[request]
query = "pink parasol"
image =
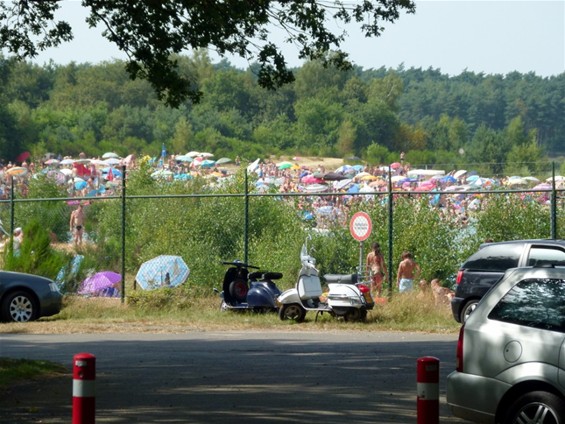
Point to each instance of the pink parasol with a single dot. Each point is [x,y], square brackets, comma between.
[311,179]
[100,284]
[22,157]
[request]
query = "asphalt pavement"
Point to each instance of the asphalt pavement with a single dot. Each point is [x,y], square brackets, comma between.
[251,377]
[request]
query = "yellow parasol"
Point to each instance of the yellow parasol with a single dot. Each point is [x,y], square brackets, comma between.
[17,171]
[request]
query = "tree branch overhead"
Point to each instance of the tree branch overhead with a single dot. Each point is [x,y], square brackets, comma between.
[152,32]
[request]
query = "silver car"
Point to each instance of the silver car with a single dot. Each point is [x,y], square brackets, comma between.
[511,352]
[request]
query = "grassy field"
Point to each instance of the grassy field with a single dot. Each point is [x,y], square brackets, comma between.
[409,312]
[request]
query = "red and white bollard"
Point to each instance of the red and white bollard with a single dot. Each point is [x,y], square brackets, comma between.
[428,390]
[84,375]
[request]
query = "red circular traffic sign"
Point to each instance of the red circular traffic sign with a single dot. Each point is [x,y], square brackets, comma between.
[360,226]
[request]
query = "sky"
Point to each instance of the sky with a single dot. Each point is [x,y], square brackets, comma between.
[481,36]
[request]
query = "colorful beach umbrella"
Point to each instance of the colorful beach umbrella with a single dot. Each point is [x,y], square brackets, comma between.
[109,155]
[17,171]
[284,165]
[100,284]
[223,160]
[162,271]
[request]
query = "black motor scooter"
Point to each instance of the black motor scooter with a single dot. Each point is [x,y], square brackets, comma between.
[243,290]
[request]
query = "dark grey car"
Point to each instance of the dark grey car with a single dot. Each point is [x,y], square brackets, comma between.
[485,267]
[27,297]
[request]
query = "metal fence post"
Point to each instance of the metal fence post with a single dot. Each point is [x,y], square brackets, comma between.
[390,233]
[12,207]
[123,294]
[553,208]
[246,220]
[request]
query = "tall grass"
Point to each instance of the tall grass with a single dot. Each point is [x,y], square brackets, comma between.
[172,310]
[414,312]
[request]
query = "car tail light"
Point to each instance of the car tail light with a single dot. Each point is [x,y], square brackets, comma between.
[459,276]
[459,352]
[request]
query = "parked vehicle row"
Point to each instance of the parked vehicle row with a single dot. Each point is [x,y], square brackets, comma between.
[346,296]
[485,267]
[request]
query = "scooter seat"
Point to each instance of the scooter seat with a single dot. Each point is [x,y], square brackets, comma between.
[341,278]
[259,275]
[272,275]
[254,276]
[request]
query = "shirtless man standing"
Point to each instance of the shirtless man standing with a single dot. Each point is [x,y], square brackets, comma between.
[408,269]
[77,224]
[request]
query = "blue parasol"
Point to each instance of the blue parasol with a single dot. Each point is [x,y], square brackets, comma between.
[162,271]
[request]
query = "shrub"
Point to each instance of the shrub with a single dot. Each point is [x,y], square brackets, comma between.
[35,256]
[51,215]
[511,217]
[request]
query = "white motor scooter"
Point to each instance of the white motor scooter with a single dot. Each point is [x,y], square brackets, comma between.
[347,298]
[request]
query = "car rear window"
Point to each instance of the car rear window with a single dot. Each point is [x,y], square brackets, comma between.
[535,302]
[495,257]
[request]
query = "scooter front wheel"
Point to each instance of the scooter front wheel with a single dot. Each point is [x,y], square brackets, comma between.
[292,311]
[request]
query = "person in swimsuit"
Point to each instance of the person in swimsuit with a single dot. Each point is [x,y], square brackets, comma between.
[77,224]
[377,269]
[408,269]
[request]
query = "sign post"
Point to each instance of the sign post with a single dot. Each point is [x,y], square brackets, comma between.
[360,228]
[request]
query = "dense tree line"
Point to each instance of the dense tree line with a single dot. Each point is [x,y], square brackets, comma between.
[507,123]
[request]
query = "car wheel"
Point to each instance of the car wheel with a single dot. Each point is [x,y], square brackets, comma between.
[536,407]
[19,307]
[468,309]
[292,311]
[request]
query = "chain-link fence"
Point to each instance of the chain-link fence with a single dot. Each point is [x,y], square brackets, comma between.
[122,231]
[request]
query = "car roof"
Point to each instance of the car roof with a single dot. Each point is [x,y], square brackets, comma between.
[530,241]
